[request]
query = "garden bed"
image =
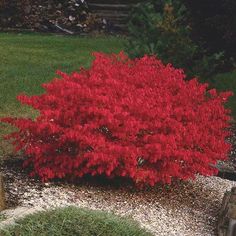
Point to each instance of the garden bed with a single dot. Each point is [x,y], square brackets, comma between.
[185,208]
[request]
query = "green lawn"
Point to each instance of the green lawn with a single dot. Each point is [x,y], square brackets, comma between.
[227,82]
[28,60]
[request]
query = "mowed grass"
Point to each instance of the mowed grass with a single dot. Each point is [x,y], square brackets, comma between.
[227,82]
[28,60]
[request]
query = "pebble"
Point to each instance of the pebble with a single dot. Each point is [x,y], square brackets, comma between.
[184,209]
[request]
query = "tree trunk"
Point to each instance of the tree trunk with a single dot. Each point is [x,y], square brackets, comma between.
[2,194]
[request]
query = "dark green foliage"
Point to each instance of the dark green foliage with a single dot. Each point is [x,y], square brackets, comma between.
[226,82]
[156,29]
[214,23]
[163,28]
[73,221]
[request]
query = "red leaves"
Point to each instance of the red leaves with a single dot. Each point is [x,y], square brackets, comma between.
[134,118]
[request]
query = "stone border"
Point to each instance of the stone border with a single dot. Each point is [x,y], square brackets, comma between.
[227,215]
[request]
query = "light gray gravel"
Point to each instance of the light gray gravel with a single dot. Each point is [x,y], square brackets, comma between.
[10,215]
[184,209]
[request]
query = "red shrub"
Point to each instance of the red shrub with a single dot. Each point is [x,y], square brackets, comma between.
[122,117]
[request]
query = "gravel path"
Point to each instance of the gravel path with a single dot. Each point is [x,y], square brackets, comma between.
[184,209]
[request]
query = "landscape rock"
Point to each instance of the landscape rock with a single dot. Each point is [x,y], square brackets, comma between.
[227,214]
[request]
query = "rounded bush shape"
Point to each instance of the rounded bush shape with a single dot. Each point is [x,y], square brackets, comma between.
[73,221]
[133,118]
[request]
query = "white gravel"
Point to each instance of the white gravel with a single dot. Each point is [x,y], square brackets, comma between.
[184,209]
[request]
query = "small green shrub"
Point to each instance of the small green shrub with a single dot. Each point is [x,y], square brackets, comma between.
[162,28]
[156,30]
[73,221]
